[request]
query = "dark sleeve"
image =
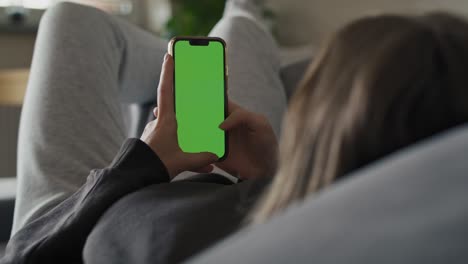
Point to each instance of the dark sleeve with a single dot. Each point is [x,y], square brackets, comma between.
[59,235]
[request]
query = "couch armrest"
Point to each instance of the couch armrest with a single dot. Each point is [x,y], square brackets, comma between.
[7,205]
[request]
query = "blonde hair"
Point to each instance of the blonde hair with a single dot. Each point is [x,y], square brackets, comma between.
[379,84]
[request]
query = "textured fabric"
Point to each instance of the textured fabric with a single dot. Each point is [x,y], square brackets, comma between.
[129,212]
[407,208]
[71,119]
[169,223]
[59,235]
[85,64]
[292,74]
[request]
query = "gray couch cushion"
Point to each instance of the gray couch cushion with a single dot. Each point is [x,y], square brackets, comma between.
[292,74]
[408,208]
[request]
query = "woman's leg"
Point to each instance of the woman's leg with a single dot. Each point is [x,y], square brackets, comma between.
[84,60]
[253,60]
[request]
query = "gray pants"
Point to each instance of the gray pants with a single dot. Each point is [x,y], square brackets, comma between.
[85,64]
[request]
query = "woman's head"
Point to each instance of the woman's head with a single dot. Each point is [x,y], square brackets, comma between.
[379,84]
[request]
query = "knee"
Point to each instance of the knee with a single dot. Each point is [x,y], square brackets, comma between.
[66,16]
[59,13]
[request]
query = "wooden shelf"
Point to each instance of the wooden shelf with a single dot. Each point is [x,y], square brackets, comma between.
[13,84]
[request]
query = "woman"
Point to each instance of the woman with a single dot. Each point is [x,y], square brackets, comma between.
[379,84]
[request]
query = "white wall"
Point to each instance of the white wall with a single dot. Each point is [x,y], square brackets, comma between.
[302,21]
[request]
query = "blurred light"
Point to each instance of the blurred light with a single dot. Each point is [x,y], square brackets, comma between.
[123,7]
[33,4]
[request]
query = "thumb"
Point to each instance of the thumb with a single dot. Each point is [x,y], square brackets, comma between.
[235,119]
[198,160]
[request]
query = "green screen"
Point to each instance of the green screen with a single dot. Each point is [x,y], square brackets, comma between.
[199,96]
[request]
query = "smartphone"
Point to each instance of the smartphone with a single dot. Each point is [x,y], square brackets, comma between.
[200,93]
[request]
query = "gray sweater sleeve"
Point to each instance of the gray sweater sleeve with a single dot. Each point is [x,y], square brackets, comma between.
[59,235]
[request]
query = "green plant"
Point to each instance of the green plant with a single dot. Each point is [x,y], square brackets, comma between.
[194,17]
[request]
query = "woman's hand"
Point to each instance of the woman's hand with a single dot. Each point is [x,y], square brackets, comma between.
[252,144]
[161,134]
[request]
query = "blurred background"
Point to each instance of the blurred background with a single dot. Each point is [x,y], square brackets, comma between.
[298,25]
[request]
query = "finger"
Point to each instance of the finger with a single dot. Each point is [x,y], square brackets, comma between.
[155,112]
[205,169]
[237,118]
[165,89]
[195,161]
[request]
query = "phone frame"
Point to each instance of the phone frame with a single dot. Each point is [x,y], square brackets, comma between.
[171,52]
